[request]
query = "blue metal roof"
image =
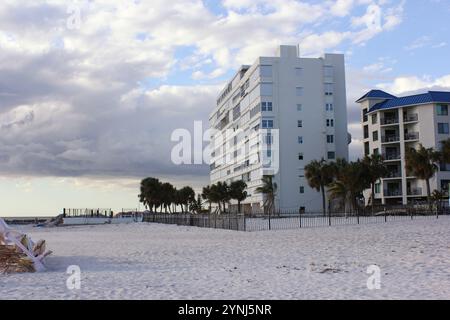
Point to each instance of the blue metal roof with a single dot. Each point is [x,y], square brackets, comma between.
[425,98]
[376,94]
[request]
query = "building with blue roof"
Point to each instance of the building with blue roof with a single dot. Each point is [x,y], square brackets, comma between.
[392,125]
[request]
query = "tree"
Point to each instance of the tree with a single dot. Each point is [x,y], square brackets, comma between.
[206,195]
[437,197]
[375,169]
[237,192]
[422,164]
[167,196]
[351,180]
[150,194]
[186,197]
[269,189]
[319,175]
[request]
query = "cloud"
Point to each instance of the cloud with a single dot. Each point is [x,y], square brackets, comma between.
[98,100]
[407,84]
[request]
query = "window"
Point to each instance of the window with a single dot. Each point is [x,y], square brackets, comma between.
[376,151]
[266,71]
[300,123]
[300,156]
[328,71]
[374,118]
[302,189]
[366,148]
[366,132]
[330,122]
[328,89]
[375,136]
[330,139]
[298,72]
[299,91]
[365,118]
[378,188]
[263,106]
[268,139]
[442,110]
[300,140]
[269,153]
[267,124]
[269,106]
[329,107]
[443,128]
[331,155]
[299,107]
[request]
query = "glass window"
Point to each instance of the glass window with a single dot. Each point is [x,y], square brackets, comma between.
[375,135]
[302,189]
[329,107]
[299,107]
[330,139]
[267,124]
[374,118]
[300,123]
[329,89]
[269,106]
[266,71]
[300,140]
[330,122]
[331,155]
[299,91]
[263,106]
[442,110]
[300,156]
[443,128]
[378,188]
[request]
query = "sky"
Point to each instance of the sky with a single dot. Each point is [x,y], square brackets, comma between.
[91,91]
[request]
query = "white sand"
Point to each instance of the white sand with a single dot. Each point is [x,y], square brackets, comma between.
[145,261]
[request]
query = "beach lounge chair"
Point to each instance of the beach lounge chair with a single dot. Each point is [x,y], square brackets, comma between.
[33,251]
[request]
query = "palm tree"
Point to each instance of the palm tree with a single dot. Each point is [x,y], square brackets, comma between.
[375,169]
[422,164]
[437,198]
[319,175]
[187,196]
[206,195]
[237,192]
[351,180]
[269,189]
[150,193]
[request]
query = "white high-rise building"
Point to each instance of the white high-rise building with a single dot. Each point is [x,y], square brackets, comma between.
[275,117]
[391,125]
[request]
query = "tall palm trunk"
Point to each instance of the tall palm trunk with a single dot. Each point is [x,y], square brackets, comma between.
[429,195]
[324,205]
[372,197]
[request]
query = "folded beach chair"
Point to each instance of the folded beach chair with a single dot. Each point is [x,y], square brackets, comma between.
[35,252]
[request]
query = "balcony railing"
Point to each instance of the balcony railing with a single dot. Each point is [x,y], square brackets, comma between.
[415,192]
[394,174]
[392,156]
[411,118]
[386,139]
[393,193]
[385,121]
[412,136]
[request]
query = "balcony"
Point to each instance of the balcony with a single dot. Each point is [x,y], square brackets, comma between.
[411,136]
[390,139]
[393,193]
[393,175]
[411,118]
[392,156]
[388,121]
[415,192]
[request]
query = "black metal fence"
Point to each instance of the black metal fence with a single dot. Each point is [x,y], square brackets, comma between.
[287,221]
[224,221]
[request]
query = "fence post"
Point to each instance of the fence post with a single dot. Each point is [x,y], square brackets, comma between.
[357,215]
[411,213]
[385,215]
[329,219]
[270,228]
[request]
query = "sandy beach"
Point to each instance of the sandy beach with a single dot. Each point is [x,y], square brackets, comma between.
[150,261]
